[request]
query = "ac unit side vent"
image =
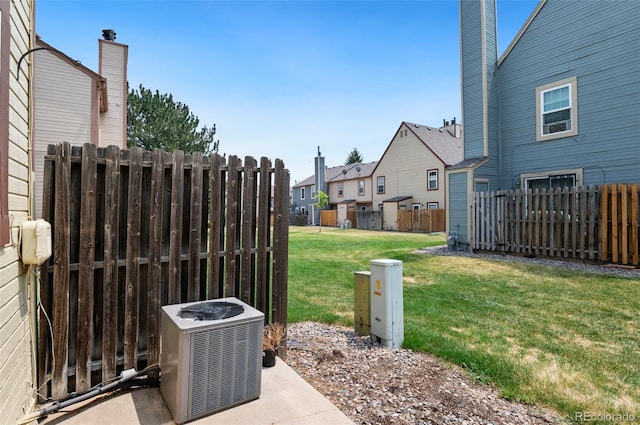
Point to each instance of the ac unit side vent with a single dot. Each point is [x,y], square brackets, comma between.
[213,387]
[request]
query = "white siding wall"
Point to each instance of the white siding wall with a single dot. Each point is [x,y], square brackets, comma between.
[350,190]
[404,167]
[62,110]
[113,67]
[16,370]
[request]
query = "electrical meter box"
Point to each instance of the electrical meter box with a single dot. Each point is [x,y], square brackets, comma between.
[36,241]
[362,302]
[387,315]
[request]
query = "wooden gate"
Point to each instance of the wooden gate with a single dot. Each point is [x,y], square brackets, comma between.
[135,230]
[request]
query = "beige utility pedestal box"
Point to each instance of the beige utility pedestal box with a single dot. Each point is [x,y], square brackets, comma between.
[362,302]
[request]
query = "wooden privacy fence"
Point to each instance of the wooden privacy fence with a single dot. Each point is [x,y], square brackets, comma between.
[593,222]
[423,221]
[329,217]
[135,230]
[619,223]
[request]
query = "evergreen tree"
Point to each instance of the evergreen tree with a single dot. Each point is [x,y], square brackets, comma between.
[355,157]
[155,120]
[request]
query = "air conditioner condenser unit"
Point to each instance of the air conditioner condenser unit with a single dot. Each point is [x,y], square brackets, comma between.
[211,357]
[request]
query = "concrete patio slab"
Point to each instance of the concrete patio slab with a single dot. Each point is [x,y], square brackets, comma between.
[285,399]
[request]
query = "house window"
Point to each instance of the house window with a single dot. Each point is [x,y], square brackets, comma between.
[5,57]
[550,181]
[556,110]
[313,190]
[360,187]
[432,205]
[415,206]
[432,180]
[340,190]
[302,192]
[380,181]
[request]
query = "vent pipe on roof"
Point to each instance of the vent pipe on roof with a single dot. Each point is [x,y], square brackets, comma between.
[109,35]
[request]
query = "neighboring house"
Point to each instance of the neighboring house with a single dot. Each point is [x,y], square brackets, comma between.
[410,174]
[560,107]
[77,105]
[303,194]
[17,371]
[351,190]
[347,186]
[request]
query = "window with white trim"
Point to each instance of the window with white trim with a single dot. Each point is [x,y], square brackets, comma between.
[360,187]
[340,190]
[415,206]
[302,192]
[556,110]
[432,179]
[313,190]
[380,182]
[432,205]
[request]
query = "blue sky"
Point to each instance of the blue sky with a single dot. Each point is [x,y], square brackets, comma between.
[279,78]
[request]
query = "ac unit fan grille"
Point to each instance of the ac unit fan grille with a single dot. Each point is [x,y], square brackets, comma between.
[213,387]
[213,310]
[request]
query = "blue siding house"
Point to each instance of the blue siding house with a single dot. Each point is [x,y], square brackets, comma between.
[560,107]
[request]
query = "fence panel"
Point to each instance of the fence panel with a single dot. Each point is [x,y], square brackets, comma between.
[329,217]
[135,230]
[587,223]
[619,225]
[422,221]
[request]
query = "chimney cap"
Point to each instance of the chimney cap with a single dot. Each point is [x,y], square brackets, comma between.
[109,34]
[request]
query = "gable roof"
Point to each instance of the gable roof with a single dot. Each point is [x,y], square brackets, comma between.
[332,173]
[100,81]
[354,171]
[521,32]
[446,147]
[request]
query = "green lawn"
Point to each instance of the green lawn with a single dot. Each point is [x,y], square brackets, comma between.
[548,336]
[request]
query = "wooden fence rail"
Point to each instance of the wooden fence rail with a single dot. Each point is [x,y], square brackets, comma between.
[589,223]
[135,230]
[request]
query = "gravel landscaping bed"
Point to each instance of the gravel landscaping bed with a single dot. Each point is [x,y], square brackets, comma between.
[372,384]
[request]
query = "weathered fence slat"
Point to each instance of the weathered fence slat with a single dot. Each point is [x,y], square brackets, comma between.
[86,276]
[216,220]
[195,228]
[264,214]
[135,230]
[248,268]
[132,272]
[62,257]
[154,269]
[280,240]
[175,227]
[231,227]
